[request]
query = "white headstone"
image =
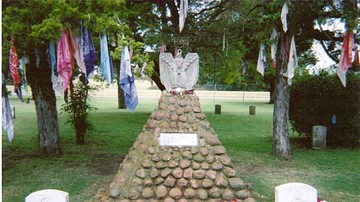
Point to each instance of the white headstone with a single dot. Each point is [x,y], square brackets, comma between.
[48,195]
[295,192]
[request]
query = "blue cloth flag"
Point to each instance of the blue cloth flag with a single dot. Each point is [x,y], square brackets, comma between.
[127,81]
[104,58]
[88,51]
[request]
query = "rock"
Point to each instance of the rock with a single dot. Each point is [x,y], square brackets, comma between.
[173,164]
[174,117]
[194,183]
[151,150]
[175,193]
[158,180]
[207,183]
[170,181]
[225,160]
[147,193]
[183,118]
[227,194]
[154,173]
[236,184]
[219,150]
[134,194]
[195,165]
[198,158]
[160,165]
[168,199]
[217,166]
[141,173]
[148,182]
[199,174]
[189,193]
[177,173]
[211,174]
[137,181]
[194,150]
[200,116]
[229,172]
[155,158]
[152,124]
[204,151]
[147,163]
[188,173]
[211,139]
[115,192]
[205,165]
[165,172]
[202,194]
[161,192]
[187,155]
[214,192]
[210,158]
[182,183]
[184,163]
[221,181]
[242,194]
[188,109]
[250,200]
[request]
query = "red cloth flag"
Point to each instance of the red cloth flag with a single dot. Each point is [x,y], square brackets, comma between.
[346,51]
[14,64]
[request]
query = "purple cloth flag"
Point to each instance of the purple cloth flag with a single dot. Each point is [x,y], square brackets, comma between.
[7,122]
[88,51]
[127,81]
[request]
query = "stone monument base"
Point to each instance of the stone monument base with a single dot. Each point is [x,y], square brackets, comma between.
[172,171]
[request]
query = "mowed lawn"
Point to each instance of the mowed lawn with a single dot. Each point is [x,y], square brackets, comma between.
[84,169]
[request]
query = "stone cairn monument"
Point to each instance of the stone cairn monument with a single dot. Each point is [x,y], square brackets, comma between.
[176,157]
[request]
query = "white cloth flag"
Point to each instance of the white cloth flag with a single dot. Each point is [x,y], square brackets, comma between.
[293,61]
[183,13]
[7,122]
[273,41]
[261,63]
[284,12]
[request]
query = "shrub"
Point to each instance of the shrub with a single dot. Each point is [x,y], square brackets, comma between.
[78,110]
[322,100]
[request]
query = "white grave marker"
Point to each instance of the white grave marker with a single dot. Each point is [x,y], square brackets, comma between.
[48,195]
[295,192]
[178,139]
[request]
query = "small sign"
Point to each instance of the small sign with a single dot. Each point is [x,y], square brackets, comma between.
[178,139]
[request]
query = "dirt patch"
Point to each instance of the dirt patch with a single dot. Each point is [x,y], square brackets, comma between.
[103,164]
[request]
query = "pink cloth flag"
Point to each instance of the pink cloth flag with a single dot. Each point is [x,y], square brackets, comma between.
[64,64]
[14,63]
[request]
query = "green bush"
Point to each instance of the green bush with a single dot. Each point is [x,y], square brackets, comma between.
[78,109]
[322,100]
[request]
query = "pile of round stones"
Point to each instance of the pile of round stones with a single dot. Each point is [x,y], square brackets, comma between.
[151,172]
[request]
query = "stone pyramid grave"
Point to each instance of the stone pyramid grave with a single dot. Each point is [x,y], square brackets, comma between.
[176,157]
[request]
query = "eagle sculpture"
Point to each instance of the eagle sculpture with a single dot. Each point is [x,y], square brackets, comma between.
[179,73]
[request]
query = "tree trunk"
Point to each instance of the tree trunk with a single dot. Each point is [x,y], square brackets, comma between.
[121,98]
[39,77]
[281,143]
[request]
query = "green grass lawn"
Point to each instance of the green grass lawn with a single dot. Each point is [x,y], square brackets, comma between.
[83,169]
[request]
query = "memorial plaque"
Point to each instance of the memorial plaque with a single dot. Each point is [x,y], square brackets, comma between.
[295,192]
[178,139]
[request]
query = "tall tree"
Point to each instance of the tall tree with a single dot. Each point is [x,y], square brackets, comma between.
[33,24]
